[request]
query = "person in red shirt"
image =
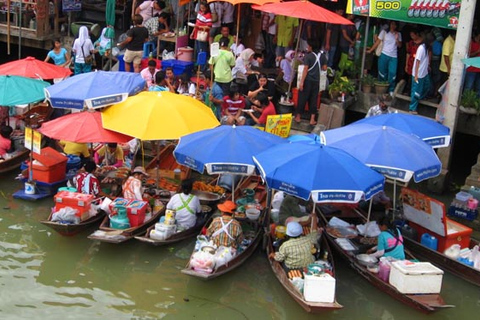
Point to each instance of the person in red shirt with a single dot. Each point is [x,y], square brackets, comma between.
[86,182]
[412,47]
[5,142]
[232,107]
[265,106]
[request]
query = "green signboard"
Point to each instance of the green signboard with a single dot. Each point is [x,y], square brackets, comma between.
[439,13]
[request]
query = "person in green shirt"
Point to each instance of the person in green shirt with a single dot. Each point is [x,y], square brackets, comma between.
[222,64]
[225,33]
[286,30]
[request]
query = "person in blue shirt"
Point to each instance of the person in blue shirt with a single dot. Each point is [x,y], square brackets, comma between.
[390,241]
[214,96]
[58,54]
[161,83]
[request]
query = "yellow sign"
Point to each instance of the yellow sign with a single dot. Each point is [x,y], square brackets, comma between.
[36,144]
[279,124]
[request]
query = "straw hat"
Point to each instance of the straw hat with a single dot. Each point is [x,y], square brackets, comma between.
[227,206]
[141,170]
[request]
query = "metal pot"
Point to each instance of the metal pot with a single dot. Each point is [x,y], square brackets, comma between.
[207,197]
[367,260]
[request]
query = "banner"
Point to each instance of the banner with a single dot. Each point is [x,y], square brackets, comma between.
[36,144]
[439,13]
[279,124]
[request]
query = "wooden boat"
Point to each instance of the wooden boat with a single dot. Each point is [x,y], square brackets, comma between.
[111,235]
[253,182]
[73,229]
[423,302]
[279,271]
[14,162]
[166,164]
[442,261]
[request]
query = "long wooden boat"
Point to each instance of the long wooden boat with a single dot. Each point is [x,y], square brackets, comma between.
[282,277]
[442,261]
[111,235]
[423,302]
[255,183]
[15,162]
[166,163]
[72,229]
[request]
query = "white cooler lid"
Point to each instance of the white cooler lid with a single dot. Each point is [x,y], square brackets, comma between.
[416,268]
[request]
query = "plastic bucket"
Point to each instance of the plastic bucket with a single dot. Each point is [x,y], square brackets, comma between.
[280,232]
[185,54]
[29,188]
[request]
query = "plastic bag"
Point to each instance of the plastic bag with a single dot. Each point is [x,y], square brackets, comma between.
[475,257]
[66,214]
[277,200]
[337,222]
[168,55]
[223,255]
[298,283]
[453,252]
[369,229]
[202,261]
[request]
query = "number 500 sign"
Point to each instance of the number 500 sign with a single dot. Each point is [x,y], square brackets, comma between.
[388,5]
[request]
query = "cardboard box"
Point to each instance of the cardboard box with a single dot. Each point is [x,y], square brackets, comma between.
[50,166]
[319,288]
[416,277]
[78,201]
[119,202]
[136,211]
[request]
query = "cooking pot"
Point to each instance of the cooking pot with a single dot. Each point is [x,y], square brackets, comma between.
[367,260]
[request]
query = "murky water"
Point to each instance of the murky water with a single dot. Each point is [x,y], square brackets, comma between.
[44,275]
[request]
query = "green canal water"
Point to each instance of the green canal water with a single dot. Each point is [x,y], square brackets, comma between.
[46,276]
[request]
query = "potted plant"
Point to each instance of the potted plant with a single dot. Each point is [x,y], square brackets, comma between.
[470,102]
[368,81]
[340,85]
[381,87]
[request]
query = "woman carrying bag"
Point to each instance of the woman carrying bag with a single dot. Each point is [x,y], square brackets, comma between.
[83,52]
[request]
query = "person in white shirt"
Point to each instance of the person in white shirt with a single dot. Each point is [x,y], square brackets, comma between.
[148,74]
[420,78]
[380,108]
[148,9]
[82,48]
[186,206]
[388,60]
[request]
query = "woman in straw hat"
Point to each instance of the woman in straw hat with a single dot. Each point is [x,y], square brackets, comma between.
[132,188]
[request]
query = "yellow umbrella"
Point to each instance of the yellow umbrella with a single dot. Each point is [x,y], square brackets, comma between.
[158,116]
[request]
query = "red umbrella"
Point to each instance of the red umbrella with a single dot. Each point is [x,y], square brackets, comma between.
[33,68]
[303,10]
[81,127]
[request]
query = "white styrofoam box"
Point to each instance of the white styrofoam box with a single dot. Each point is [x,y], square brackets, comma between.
[319,288]
[162,227]
[415,277]
[158,235]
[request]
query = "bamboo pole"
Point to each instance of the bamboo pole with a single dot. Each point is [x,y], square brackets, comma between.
[8,27]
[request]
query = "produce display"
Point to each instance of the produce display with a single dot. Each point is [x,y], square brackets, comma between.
[164,183]
[202,186]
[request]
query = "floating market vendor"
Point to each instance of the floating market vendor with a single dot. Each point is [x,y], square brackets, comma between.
[110,154]
[225,230]
[76,149]
[186,206]
[85,181]
[296,252]
[132,188]
[390,241]
[291,207]
[5,141]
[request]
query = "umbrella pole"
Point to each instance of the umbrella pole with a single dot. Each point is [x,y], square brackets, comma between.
[295,58]
[158,164]
[394,195]
[20,32]
[8,27]
[238,25]
[233,189]
[368,216]
[364,52]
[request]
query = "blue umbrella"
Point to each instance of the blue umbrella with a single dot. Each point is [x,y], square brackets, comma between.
[326,174]
[308,138]
[395,154]
[435,134]
[224,149]
[94,89]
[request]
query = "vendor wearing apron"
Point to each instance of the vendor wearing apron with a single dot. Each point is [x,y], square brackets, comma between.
[225,230]
[390,241]
[186,206]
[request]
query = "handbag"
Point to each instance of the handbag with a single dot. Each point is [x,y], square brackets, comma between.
[202,36]
[378,50]
[88,59]
[240,78]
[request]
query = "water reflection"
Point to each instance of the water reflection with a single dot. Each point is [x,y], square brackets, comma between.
[44,275]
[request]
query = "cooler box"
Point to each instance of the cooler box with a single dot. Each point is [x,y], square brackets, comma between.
[136,211]
[416,277]
[50,166]
[121,64]
[118,202]
[75,200]
[179,67]
[456,234]
[319,288]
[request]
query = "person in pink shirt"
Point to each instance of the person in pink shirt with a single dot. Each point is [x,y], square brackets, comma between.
[148,74]
[5,142]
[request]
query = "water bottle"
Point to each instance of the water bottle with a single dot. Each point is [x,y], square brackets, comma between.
[150,56]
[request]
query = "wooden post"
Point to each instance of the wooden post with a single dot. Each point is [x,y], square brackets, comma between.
[8,27]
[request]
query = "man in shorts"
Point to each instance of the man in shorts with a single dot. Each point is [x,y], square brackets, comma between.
[136,37]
